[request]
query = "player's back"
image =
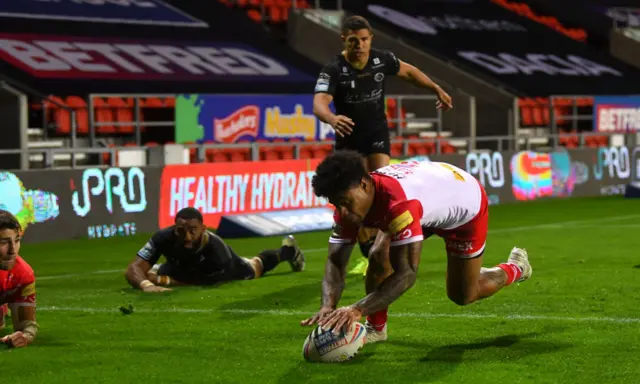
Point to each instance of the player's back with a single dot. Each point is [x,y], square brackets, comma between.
[450,197]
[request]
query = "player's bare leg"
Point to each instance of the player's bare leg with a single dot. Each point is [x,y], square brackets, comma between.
[379,269]
[468,281]
[367,236]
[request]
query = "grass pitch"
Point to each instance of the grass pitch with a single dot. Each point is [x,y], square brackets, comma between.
[575,321]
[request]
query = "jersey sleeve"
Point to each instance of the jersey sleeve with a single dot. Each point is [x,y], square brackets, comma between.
[327,80]
[392,64]
[152,251]
[343,233]
[25,295]
[404,224]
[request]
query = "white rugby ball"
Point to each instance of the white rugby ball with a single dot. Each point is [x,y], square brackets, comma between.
[323,346]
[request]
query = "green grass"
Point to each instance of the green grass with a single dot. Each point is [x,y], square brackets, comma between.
[575,321]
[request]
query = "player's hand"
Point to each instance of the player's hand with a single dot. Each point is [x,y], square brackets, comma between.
[342,125]
[155,288]
[341,319]
[15,340]
[444,100]
[322,313]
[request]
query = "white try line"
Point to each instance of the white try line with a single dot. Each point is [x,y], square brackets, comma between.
[592,319]
[565,224]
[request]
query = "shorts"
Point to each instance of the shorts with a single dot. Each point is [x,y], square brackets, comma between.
[239,269]
[377,141]
[469,240]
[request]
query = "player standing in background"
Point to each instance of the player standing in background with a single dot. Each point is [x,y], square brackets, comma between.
[354,81]
[408,202]
[17,285]
[196,256]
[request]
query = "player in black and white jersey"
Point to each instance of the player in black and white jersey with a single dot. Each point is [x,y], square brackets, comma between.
[354,81]
[195,256]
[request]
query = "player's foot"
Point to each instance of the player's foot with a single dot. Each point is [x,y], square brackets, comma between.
[360,268]
[298,262]
[374,336]
[520,258]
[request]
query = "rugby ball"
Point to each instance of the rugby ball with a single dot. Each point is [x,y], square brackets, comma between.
[323,346]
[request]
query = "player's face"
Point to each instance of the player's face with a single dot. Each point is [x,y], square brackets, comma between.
[354,204]
[189,232]
[357,43]
[9,248]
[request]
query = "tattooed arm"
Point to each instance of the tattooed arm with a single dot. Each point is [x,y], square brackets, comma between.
[404,260]
[333,282]
[334,274]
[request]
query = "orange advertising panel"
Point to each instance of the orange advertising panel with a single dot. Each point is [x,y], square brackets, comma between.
[219,189]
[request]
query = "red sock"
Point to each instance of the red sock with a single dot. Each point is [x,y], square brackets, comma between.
[378,320]
[513,272]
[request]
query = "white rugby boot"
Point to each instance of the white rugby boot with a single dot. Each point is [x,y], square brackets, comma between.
[374,336]
[298,262]
[520,258]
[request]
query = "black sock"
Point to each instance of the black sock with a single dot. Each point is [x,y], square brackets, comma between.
[287,253]
[270,259]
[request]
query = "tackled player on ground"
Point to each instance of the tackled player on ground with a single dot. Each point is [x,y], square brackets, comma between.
[408,202]
[17,285]
[196,256]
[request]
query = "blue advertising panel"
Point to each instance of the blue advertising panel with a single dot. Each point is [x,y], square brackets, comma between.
[616,114]
[145,12]
[233,118]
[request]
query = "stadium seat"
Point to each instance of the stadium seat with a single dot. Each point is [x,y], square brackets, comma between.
[396,148]
[103,114]
[550,21]
[123,109]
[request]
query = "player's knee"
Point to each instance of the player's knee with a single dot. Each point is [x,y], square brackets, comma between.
[462,298]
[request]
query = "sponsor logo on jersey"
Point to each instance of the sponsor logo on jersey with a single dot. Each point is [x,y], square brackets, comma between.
[400,222]
[29,290]
[379,77]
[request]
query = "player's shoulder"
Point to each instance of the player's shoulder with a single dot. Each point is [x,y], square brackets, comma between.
[163,236]
[23,271]
[382,53]
[334,63]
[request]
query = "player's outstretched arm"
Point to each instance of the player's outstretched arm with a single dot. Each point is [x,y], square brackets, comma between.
[136,275]
[404,260]
[333,281]
[24,326]
[415,76]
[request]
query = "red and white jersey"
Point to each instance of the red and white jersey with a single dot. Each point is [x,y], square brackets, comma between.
[414,195]
[18,285]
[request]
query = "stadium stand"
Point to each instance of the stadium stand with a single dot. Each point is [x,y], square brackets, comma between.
[501,101]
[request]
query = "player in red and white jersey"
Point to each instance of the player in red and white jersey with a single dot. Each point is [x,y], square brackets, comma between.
[408,202]
[17,285]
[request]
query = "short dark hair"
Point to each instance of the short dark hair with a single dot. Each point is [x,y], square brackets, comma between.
[338,172]
[9,221]
[189,213]
[355,23]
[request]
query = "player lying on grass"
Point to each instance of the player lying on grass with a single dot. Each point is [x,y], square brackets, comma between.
[17,285]
[408,202]
[196,256]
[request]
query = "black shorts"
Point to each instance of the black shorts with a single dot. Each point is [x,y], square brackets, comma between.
[377,141]
[238,269]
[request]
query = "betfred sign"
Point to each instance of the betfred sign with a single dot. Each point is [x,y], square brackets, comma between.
[220,189]
[121,59]
[616,114]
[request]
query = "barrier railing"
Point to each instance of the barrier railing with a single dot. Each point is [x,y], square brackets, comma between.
[401,122]
[475,145]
